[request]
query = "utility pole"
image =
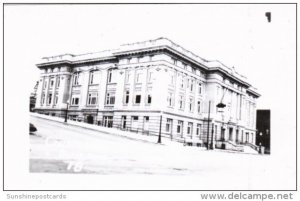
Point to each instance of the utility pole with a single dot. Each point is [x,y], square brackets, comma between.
[159,134]
[66,116]
[208,125]
[212,137]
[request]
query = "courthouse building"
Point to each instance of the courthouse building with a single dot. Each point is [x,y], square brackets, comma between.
[151,87]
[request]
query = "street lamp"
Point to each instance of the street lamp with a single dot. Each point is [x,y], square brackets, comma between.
[220,108]
[66,116]
[208,125]
[159,134]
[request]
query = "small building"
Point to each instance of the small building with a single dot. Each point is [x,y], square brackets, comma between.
[152,87]
[263,135]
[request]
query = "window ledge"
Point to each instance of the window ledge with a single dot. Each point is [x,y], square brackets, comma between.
[109,106]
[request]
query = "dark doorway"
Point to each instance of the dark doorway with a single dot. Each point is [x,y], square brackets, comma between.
[123,122]
[237,136]
[90,119]
[223,134]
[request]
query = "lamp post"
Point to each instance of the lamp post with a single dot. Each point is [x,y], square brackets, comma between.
[66,116]
[221,106]
[260,142]
[159,134]
[208,125]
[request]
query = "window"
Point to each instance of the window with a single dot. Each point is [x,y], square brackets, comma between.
[169,125]
[43,99]
[149,99]
[172,79]
[127,77]
[137,99]
[188,83]
[107,98]
[182,82]
[110,99]
[170,99]
[45,84]
[191,103]
[190,128]
[134,123]
[138,77]
[198,130]
[181,102]
[179,127]
[49,98]
[92,98]
[199,88]
[108,121]
[109,77]
[192,85]
[184,66]
[127,97]
[51,82]
[57,82]
[199,107]
[92,77]
[76,79]
[55,99]
[150,76]
[128,60]
[75,100]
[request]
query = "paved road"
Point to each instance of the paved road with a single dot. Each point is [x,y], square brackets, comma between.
[61,148]
[57,147]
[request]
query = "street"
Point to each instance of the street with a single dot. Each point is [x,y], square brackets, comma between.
[60,148]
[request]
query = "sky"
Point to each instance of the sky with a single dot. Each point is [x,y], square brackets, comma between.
[237,35]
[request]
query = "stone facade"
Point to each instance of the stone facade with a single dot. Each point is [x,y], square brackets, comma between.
[151,87]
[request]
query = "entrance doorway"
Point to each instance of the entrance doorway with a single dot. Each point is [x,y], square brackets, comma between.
[237,136]
[146,124]
[223,134]
[123,122]
[90,119]
[247,137]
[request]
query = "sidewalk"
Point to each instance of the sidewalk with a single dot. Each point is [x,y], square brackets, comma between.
[111,131]
[130,135]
